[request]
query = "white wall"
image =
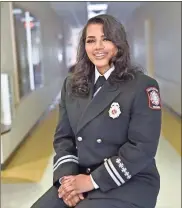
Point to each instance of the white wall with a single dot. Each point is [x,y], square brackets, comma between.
[72,45]
[6,36]
[31,107]
[155,38]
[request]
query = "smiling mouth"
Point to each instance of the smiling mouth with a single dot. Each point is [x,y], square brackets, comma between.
[100,55]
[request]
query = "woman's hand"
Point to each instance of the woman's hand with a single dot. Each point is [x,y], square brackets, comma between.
[74,185]
[73,201]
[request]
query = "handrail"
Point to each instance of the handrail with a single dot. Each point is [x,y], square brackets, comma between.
[168,107]
[167,80]
[172,111]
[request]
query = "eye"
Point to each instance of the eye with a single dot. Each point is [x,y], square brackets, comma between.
[90,41]
[105,39]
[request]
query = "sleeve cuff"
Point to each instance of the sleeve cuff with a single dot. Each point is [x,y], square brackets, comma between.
[94,183]
[60,180]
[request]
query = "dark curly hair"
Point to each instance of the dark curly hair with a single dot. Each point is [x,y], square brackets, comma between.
[84,68]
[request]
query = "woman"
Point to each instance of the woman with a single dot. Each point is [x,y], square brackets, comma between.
[109,127]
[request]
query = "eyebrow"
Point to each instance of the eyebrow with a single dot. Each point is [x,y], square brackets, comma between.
[94,36]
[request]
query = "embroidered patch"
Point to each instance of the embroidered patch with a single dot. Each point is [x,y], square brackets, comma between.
[153,98]
[114,110]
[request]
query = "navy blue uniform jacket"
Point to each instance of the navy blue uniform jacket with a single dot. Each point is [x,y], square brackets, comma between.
[117,132]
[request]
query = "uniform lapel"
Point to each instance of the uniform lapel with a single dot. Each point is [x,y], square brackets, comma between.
[82,103]
[103,98]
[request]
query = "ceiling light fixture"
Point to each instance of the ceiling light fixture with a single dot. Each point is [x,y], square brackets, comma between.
[96,9]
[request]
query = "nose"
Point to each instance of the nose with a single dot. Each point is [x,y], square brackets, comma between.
[99,45]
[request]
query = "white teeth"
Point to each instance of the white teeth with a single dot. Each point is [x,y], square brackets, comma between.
[99,55]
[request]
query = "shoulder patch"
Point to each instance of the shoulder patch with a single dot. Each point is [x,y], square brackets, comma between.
[154,100]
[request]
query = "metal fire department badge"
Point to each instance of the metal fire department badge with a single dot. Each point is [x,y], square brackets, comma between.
[153,98]
[114,110]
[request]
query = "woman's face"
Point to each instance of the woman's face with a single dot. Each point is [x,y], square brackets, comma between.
[98,48]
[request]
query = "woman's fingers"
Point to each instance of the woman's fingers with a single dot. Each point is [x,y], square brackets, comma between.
[67,180]
[71,195]
[75,200]
[81,196]
[65,190]
[72,201]
[68,203]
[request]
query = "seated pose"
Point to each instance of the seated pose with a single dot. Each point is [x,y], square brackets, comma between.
[109,127]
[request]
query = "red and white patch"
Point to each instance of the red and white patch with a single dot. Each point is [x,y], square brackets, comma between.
[153,98]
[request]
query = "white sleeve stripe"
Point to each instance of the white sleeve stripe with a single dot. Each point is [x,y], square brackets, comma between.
[65,161]
[65,157]
[115,171]
[111,174]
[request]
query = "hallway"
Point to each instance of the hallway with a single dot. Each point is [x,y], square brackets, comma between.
[40,42]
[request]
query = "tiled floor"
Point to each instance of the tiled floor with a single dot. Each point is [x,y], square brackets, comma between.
[23,195]
[169,165]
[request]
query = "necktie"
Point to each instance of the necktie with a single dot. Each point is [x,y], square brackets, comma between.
[99,83]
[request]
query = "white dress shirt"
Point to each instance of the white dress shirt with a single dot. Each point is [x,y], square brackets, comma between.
[106,75]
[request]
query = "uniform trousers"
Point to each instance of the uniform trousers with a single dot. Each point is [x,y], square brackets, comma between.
[51,200]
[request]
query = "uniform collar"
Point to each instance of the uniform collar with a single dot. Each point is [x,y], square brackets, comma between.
[106,75]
